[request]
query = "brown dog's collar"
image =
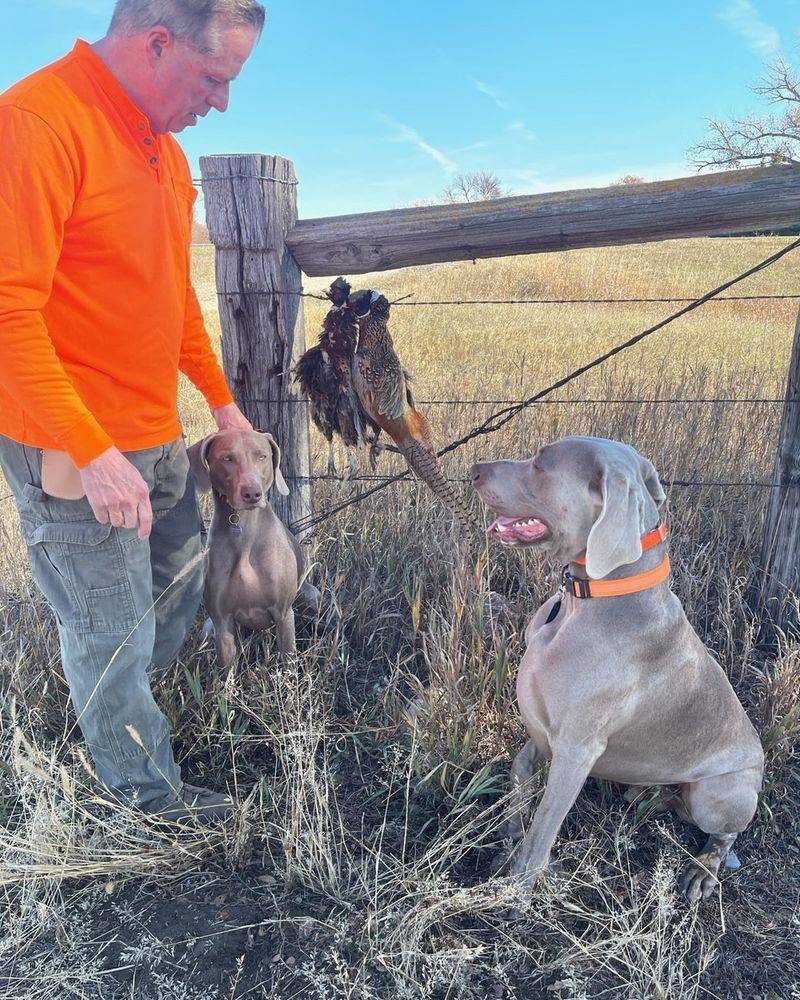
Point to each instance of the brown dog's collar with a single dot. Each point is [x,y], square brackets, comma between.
[583,589]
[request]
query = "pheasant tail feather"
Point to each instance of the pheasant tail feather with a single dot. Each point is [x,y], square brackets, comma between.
[423,462]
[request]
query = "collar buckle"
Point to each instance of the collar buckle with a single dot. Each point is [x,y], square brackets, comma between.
[576,585]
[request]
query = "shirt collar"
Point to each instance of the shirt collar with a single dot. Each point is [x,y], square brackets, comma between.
[100,73]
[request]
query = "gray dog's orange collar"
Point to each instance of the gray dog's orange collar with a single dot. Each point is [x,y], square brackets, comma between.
[582,589]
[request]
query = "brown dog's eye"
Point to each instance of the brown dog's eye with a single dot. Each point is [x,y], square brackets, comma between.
[261,457]
[228,458]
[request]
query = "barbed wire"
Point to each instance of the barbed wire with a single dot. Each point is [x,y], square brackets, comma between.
[501,417]
[199,181]
[668,483]
[743,483]
[526,302]
[261,293]
[706,400]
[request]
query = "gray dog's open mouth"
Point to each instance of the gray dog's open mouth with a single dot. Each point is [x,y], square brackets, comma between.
[518,530]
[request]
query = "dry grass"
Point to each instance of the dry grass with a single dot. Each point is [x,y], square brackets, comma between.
[374,771]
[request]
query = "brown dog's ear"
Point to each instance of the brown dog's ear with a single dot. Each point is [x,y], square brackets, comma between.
[198,461]
[280,482]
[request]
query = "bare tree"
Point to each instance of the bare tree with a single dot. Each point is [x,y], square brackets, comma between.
[627,179]
[477,186]
[766,140]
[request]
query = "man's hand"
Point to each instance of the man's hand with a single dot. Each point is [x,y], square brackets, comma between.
[117,492]
[231,418]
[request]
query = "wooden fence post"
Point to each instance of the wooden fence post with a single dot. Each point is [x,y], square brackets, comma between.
[780,555]
[251,204]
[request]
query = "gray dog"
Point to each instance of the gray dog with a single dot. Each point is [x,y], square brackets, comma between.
[614,681]
[254,565]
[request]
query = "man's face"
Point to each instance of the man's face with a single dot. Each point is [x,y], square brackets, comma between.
[187,83]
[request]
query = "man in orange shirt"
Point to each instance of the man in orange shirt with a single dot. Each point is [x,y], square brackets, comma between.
[97,318]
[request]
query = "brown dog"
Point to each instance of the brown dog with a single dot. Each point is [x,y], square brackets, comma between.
[254,565]
[618,685]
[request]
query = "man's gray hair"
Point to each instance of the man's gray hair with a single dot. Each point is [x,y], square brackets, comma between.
[194,21]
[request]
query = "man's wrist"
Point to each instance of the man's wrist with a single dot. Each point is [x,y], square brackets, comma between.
[86,441]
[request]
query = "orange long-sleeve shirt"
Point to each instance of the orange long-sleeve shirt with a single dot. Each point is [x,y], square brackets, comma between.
[97,310]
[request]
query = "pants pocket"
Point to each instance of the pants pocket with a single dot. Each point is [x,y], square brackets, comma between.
[80,569]
[111,608]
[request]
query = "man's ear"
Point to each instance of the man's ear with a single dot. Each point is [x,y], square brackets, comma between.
[198,461]
[158,39]
[280,482]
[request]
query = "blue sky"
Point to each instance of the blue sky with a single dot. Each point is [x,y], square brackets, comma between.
[379,104]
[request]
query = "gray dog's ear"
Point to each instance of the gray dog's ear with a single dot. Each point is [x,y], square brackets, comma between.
[198,461]
[280,482]
[616,536]
[652,482]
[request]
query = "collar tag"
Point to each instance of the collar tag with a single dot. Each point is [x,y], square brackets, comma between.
[233,521]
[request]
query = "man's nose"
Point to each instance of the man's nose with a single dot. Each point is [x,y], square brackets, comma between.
[220,98]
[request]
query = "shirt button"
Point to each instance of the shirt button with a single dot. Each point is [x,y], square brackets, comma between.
[142,126]
[148,141]
[154,160]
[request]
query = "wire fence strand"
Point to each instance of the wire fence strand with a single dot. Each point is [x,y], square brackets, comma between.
[655,400]
[403,300]
[742,483]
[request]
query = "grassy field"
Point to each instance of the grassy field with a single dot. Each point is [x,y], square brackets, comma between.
[373,772]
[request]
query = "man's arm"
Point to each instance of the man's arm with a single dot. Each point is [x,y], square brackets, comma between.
[199,362]
[37,191]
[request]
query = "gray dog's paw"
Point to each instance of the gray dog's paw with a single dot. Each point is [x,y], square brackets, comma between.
[698,880]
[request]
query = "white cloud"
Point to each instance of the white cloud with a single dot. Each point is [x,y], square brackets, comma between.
[472,147]
[406,134]
[535,182]
[493,95]
[522,129]
[743,17]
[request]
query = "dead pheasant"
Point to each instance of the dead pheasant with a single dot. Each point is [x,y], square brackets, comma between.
[382,386]
[324,374]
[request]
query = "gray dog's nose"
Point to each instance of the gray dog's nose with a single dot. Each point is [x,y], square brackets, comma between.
[252,495]
[476,473]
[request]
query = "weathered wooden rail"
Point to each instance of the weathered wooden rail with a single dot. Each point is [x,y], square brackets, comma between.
[251,206]
[706,205]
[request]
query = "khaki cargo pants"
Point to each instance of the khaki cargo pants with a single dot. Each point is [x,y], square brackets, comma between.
[118,612]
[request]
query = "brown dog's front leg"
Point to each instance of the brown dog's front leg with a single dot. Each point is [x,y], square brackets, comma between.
[569,770]
[286,641]
[226,642]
